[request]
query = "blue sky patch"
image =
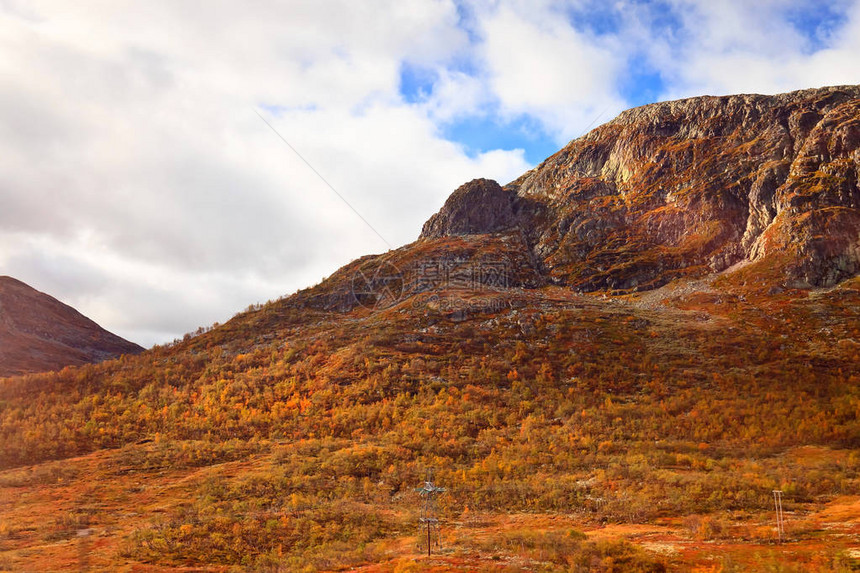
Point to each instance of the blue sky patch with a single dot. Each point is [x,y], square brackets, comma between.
[480,134]
[643,83]
[817,21]
[467,21]
[664,20]
[599,18]
[416,82]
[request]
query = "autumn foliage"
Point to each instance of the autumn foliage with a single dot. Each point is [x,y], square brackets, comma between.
[308,431]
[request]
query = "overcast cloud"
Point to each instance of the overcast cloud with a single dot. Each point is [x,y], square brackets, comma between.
[138,184]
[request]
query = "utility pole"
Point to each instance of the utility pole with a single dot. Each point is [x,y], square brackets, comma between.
[780,518]
[428,519]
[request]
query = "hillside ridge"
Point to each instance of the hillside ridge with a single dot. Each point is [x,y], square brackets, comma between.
[39,333]
[686,188]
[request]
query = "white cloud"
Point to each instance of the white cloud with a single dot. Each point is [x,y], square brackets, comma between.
[456,95]
[539,64]
[138,184]
[754,47]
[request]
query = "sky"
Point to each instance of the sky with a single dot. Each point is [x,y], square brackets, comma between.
[142,180]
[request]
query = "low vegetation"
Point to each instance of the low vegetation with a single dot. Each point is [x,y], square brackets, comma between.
[291,439]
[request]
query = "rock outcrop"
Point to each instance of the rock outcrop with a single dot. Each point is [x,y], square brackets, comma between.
[479,206]
[687,188]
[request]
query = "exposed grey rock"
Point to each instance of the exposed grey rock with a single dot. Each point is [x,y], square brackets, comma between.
[479,206]
[686,188]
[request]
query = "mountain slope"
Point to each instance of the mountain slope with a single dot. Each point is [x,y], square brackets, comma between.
[509,349]
[39,333]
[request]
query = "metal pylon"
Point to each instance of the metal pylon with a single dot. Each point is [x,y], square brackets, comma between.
[428,522]
[780,518]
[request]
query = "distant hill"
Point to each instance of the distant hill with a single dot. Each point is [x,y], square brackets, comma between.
[38,333]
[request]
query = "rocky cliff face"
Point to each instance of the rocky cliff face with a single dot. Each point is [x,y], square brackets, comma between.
[687,188]
[482,206]
[39,333]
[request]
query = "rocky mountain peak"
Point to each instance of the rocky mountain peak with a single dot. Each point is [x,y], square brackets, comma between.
[686,188]
[479,206]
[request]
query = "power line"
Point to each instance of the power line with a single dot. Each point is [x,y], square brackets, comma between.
[323,179]
[593,121]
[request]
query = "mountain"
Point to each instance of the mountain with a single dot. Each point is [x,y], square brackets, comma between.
[687,188]
[39,333]
[675,190]
[610,364]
